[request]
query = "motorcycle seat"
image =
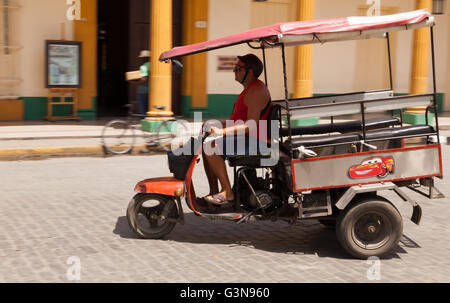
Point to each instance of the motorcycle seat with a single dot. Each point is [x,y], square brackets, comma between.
[246,160]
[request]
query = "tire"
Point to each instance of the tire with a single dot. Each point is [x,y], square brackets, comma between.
[145,219]
[370,227]
[118,137]
[170,130]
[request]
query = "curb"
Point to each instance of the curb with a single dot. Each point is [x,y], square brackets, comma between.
[48,138]
[45,152]
[12,154]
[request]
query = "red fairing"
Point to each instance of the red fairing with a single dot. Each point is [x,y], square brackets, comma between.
[164,186]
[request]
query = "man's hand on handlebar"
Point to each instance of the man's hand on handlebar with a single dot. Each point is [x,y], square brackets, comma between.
[216,131]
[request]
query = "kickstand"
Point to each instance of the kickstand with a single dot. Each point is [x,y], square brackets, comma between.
[247,216]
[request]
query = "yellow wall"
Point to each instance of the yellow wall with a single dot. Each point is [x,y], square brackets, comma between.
[38,21]
[235,20]
[249,15]
[334,64]
[268,13]
[41,20]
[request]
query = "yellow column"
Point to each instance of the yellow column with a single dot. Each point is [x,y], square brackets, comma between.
[303,53]
[420,58]
[195,29]
[186,39]
[198,65]
[85,30]
[160,80]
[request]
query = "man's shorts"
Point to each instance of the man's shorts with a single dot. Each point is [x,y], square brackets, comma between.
[230,146]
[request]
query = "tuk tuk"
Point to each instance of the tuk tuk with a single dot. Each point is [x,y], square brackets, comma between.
[335,171]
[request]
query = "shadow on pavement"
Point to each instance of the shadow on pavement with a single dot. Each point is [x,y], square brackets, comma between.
[124,230]
[306,238]
[276,237]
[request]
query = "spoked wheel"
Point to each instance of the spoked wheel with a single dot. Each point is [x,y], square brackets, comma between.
[370,227]
[173,133]
[152,216]
[118,137]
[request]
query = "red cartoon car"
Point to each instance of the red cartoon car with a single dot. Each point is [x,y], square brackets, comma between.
[371,167]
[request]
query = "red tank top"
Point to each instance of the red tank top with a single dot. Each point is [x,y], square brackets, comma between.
[240,112]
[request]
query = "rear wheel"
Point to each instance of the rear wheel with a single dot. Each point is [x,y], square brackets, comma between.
[369,227]
[152,216]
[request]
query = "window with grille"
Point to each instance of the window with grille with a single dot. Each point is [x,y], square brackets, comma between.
[9,50]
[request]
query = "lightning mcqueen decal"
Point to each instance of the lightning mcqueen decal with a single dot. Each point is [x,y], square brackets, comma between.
[371,167]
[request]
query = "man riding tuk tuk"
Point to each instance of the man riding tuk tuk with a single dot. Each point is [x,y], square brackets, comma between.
[334,172]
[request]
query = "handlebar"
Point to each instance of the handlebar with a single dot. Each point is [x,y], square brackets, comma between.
[303,152]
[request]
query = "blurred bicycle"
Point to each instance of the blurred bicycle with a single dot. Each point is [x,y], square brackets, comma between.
[120,136]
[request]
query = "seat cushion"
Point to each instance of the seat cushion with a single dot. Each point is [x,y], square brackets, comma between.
[341,127]
[324,140]
[246,160]
[398,132]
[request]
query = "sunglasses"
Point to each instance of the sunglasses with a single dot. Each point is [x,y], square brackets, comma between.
[238,68]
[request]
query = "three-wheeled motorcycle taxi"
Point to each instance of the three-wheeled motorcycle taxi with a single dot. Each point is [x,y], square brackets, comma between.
[335,172]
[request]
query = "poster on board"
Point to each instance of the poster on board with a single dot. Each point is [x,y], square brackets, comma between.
[63,64]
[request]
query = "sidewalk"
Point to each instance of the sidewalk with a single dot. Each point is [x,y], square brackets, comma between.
[43,139]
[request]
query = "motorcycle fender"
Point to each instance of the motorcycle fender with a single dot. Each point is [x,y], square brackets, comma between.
[165,186]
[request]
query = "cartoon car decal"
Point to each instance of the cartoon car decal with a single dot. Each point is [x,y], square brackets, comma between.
[371,167]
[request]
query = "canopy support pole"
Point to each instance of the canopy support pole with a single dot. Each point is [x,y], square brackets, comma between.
[433,67]
[265,67]
[389,58]
[286,97]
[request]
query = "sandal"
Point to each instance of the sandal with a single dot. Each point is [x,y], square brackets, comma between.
[217,199]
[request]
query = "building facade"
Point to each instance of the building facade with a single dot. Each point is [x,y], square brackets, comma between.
[113,34]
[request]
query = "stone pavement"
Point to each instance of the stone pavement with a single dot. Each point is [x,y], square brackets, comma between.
[64,217]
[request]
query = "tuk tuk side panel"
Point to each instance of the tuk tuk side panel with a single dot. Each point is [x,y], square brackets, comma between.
[367,167]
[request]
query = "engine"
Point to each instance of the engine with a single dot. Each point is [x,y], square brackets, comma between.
[265,197]
[261,186]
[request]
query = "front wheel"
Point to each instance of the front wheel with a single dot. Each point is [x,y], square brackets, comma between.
[118,137]
[152,216]
[370,227]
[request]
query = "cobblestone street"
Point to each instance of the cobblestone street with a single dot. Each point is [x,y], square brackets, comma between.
[56,211]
